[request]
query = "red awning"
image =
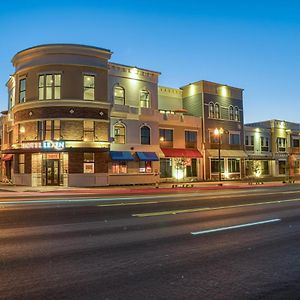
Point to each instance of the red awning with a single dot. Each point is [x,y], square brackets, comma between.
[189,153]
[6,157]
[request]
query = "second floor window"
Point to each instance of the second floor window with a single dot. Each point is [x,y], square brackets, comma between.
[119,133]
[281,144]
[22,91]
[49,86]
[48,130]
[234,139]
[119,95]
[190,139]
[264,143]
[145,135]
[296,143]
[145,99]
[166,135]
[88,131]
[89,87]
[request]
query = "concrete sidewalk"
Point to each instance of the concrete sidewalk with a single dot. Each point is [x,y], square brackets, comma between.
[10,191]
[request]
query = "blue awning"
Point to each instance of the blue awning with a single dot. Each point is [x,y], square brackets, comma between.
[147,156]
[121,155]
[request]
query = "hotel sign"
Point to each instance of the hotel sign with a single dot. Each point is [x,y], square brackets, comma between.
[45,145]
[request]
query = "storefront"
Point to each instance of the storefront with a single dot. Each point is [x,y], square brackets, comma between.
[60,163]
[127,167]
[180,164]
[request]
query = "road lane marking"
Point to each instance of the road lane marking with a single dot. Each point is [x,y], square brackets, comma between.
[127,204]
[234,227]
[180,211]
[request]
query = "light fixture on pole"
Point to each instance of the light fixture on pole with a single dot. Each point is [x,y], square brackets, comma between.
[218,132]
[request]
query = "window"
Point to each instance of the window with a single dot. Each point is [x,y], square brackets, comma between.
[48,130]
[282,167]
[233,165]
[217,111]
[247,140]
[234,138]
[40,130]
[165,167]
[21,163]
[252,140]
[145,167]
[88,162]
[119,167]
[56,130]
[11,98]
[264,167]
[145,98]
[191,168]
[281,144]
[214,164]
[22,91]
[119,133]
[88,87]
[119,95]
[50,86]
[190,139]
[264,143]
[145,135]
[88,131]
[296,143]
[213,138]
[230,112]
[236,114]
[211,110]
[166,135]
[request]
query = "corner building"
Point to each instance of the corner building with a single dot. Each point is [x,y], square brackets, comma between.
[56,129]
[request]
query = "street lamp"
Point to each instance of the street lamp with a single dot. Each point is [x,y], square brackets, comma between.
[218,132]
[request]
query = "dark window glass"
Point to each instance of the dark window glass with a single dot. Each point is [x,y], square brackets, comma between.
[145,135]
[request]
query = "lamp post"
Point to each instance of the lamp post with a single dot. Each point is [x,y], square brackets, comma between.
[218,132]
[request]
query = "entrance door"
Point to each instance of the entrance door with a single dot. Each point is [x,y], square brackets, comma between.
[52,172]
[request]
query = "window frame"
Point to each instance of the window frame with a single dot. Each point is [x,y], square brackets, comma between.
[231,113]
[117,86]
[86,88]
[43,88]
[148,138]
[147,101]
[22,91]
[121,125]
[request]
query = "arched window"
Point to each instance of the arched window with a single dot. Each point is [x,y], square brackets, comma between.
[236,114]
[145,135]
[119,95]
[119,133]
[217,111]
[230,112]
[145,98]
[211,110]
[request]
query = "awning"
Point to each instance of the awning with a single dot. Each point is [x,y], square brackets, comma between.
[227,153]
[173,152]
[147,156]
[121,155]
[7,157]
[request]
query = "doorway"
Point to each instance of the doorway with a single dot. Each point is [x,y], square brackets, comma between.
[52,172]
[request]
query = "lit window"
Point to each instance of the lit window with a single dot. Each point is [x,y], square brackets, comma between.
[211,110]
[89,87]
[145,99]
[190,139]
[119,95]
[119,167]
[145,135]
[22,91]
[88,131]
[21,163]
[145,167]
[166,135]
[50,86]
[233,165]
[89,162]
[119,133]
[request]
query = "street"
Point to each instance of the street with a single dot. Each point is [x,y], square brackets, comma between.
[222,244]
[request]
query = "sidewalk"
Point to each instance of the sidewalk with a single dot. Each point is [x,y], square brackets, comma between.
[10,191]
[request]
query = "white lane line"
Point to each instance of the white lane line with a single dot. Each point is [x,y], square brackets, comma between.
[235,226]
[192,210]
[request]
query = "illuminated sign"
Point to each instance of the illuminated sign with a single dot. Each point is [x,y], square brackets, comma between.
[46,145]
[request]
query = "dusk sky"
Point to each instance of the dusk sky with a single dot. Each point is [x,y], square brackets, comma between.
[253,45]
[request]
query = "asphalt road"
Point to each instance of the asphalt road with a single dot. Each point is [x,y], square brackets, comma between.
[241,244]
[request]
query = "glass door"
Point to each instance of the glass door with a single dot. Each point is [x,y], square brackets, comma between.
[52,172]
